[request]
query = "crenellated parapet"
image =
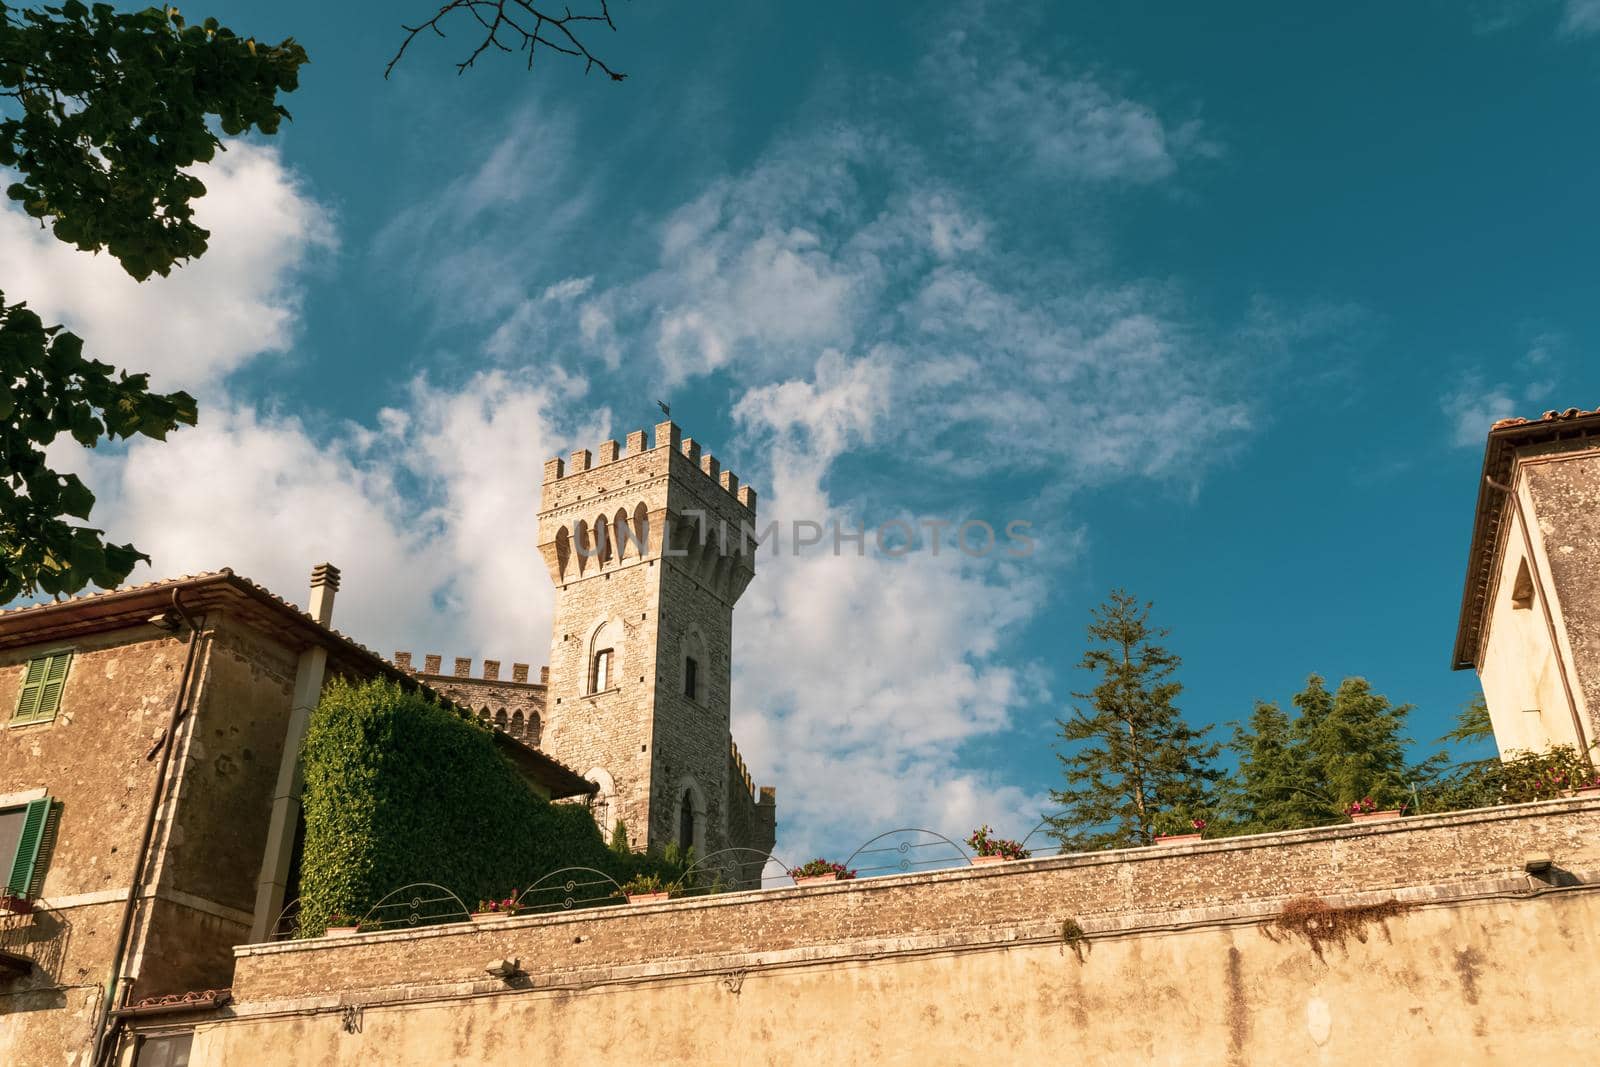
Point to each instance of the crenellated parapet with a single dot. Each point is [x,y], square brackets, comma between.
[433,663]
[511,705]
[603,511]
[597,476]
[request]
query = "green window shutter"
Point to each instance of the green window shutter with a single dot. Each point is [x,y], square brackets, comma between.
[46,677]
[33,826]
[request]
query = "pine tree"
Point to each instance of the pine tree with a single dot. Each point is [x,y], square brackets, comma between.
[1132,756]
[1274,788]
[1342,746]
[1357,745]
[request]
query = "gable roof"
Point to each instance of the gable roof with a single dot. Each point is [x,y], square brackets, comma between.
[1507,438]
[114,609]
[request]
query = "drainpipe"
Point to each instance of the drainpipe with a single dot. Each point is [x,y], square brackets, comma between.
[1549,616]
[285,820]
[105,1032]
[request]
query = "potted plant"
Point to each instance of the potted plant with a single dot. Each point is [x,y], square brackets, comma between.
[15,905]
[1589,788]
[990,849]
[1172,830]
[648,889]
[490,910]
[820,870]
[1366,810]
[342,925]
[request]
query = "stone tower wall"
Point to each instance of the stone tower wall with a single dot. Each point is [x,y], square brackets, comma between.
[662,578]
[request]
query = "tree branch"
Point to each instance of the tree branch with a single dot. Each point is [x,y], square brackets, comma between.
[525,24]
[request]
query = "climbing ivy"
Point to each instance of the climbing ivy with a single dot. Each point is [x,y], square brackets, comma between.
[400,788]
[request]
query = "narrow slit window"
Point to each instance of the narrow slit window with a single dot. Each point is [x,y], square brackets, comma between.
[691,678]
[686,821]
[600,676]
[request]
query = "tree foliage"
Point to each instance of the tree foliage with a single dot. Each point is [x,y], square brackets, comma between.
[401,789]
[1339,746]
[101,115]
[55,389]
[114,106]
[1130,757]
[1273,788]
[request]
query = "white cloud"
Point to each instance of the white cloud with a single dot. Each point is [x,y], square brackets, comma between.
[1580,18]
[210,316]
[1065,124]
[1477,405]
[430,513]
[870,671]
[1474,408]
[857,306]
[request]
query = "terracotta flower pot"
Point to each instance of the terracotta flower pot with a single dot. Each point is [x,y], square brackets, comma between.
[16,905]
[648,898]
[1588,790]
[814,879]
[490,916]
[987,861]
[341,931]
[1177,839]
[1373,816]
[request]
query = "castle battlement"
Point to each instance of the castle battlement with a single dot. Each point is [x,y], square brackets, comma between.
[668,436]
[433,665]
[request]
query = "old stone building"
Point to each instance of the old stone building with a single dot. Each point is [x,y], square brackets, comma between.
[1530,613]
[643,545]
[149,773]
[149,790]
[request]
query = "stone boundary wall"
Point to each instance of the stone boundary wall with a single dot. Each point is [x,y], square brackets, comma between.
[1427,859]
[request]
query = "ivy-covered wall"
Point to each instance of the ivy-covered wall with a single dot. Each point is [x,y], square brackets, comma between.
[402,789]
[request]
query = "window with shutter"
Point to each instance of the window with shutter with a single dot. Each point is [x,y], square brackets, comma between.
[29,825]
[42,683]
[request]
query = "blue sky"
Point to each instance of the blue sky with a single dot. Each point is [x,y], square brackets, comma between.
[1221,301]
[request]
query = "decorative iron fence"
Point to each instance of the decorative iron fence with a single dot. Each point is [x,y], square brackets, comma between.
[905,850]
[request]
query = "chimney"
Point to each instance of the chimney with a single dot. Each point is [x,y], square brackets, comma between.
[324,584]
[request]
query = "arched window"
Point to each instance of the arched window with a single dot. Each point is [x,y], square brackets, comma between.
[622,535]
[602,539]
[641,528]
[604,666]
[686,820]
[500,720]
[516,723]
[692,818]
[535,731]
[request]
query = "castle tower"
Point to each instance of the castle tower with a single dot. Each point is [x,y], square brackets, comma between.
[638,695]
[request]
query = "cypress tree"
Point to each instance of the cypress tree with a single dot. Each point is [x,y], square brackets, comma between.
[1132,757]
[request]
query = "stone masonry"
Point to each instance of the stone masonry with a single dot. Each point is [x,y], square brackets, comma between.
[644,547]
